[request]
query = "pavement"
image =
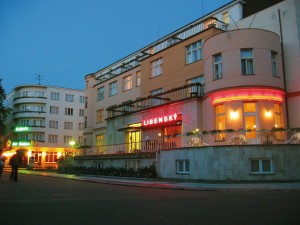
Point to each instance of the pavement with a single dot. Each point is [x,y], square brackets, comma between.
[172,184]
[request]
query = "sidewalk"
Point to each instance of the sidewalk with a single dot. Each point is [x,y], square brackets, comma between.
[162,184]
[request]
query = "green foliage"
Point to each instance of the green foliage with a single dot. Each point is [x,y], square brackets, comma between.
[3,111]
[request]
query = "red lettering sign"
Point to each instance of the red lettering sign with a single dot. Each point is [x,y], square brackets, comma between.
[160,120]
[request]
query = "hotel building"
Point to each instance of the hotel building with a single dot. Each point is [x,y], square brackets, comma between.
[46,123]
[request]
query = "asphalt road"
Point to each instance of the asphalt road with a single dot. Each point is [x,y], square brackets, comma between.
[45,200]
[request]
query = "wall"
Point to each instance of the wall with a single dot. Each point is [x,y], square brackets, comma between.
[231,163]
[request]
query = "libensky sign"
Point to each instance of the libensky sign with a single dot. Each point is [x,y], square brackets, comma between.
[160,120]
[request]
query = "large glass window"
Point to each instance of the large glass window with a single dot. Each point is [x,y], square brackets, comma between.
[156,67]
[220,122]
[247,61]
[250,118]
[194,52]
[278,120]
[218,71]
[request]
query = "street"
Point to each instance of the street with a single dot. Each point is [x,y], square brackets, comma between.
[45,200]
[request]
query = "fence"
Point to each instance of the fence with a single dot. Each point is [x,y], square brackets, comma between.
[212,138]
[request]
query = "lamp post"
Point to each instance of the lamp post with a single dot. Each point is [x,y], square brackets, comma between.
[72,143]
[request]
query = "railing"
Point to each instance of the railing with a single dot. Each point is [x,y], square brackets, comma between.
[173,95]
[213,138]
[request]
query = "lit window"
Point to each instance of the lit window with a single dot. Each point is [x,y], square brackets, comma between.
[127,83]
[113,88]
[156,67]
[250,115]
[194,52]
[274,56]
[99,116]
[278,120]
[182,166]
[220,122]
[247,61]
[218,73]
[51,157]
[261,166]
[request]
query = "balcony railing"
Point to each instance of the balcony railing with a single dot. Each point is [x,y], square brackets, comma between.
[177,94]
[213,138]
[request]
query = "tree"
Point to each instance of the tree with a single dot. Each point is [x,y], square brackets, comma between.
[4,112]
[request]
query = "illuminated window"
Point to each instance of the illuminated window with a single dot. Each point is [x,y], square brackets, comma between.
[127,83]
[250,118]
[274,60]
[100,93]
[194,52]
[247,61]
[138,78]
[278,119]
[156,67]
[182,166]
[113,88]
[37,156]
[218,71]
[99,116]
[51,157]
[220,122]
[100,143]
[261,166]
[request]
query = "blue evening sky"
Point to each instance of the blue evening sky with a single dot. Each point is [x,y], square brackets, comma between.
[64,40]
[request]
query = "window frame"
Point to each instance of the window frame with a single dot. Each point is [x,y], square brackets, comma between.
[156,67]
[217,67]
[194,53]
[247,62]
[113,88]
[261,166]
[186,168]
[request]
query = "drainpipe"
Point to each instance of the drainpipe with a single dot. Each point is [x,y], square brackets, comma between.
[284,74]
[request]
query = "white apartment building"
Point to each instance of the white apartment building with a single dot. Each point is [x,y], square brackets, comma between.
[46,122]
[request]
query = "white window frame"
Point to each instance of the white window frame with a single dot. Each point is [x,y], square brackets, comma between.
[138,78]
[100,93]
[218,70]
[183,166]
[261,169]
[247,62]
[127,83]
[113,88]
[194,52]
[156,67]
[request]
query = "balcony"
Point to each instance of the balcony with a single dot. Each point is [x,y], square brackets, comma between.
[177,94]
[29,99]
[28,114]
[199,140]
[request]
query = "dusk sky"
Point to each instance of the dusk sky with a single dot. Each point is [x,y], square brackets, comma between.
[64,40]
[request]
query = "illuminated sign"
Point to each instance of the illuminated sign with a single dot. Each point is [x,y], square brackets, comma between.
[21,129]
[20,143]
[247,94]
[160,120]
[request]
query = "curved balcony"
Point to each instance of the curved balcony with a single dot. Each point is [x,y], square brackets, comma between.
[29,99]
[28,114]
